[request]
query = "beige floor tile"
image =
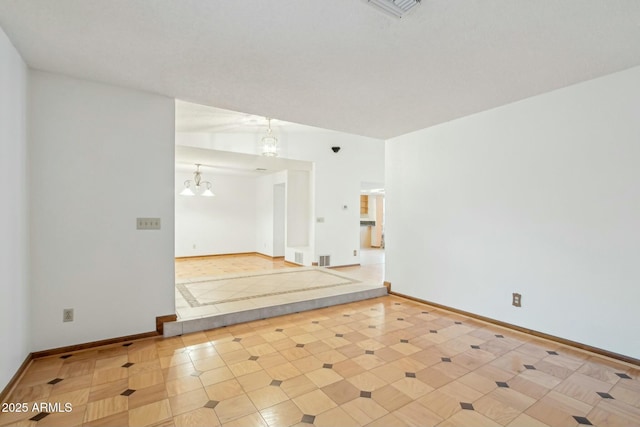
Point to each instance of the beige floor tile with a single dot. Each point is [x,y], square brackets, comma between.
[77,368]
[621,408]
[253,420]
[297,386]
[148,395]
[314,402]
[188,401]
[368,361]
[441,403]
[389,420]
[334,417]
[150,414]
[307,364]
[174,360]
[557,409]
[208,363]
[583,388]
[366,381]
[76,398]
[526,420]
[267,396]
[234,408]
[388,373]
[186,373]
[224,390]
[119,419]
[215,376]
[323,377]
[282,414]
[179,371]
[416,414]
[110,362]
[146,366]
[364,410]
[412,387]
[458,390]
[348,368]
[197,418]
[341,392]
[255,380]
[73,418]
[283,372]
[182,385]
[105,407]
[146,379]
[12,418]
[468,418]
[108,375]
[245,367]
[496,410]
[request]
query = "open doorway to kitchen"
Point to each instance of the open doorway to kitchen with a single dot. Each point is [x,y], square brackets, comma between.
[372,238]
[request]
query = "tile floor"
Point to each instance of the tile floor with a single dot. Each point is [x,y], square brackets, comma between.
[208,286]
[381,362]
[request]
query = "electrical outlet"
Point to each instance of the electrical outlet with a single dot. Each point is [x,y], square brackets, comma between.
[355,252]
[516,300]
[148,223]
[67,315]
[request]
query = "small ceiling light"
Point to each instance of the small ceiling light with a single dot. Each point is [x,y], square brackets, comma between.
[200,187]
[396,8]
[269,143]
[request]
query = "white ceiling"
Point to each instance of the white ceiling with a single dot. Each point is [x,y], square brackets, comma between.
[229,163]
[334,64]
[192,117]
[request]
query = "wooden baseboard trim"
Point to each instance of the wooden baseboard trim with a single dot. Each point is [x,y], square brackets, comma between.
[269,257]
[92,344]
[161,320]
[216,255]
[564,341]
[387,285]
[14,380]
[340,266]
[236,254]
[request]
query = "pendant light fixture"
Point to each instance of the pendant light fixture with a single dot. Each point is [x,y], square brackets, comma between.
[269,142]
[196,186]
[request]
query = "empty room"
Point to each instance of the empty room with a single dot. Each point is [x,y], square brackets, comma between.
[319,212]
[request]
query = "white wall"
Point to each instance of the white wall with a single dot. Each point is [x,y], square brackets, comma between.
[336,180]
[338,177]
[279,219]
[222,224]
[100,157]
[264,212]
[298,208]
[539,197]
[14,249]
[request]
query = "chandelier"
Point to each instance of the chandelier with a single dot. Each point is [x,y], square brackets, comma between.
[196,185]
[269,143]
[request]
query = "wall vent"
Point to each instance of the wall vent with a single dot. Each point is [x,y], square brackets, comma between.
[324,261]
[299,258]
[395,8]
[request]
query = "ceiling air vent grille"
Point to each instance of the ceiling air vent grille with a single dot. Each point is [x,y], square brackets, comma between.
[396,8]
[324,261]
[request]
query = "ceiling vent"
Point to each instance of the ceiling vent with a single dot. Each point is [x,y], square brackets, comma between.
[396,8]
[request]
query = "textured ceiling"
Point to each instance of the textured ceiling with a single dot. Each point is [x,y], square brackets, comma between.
[335,64]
